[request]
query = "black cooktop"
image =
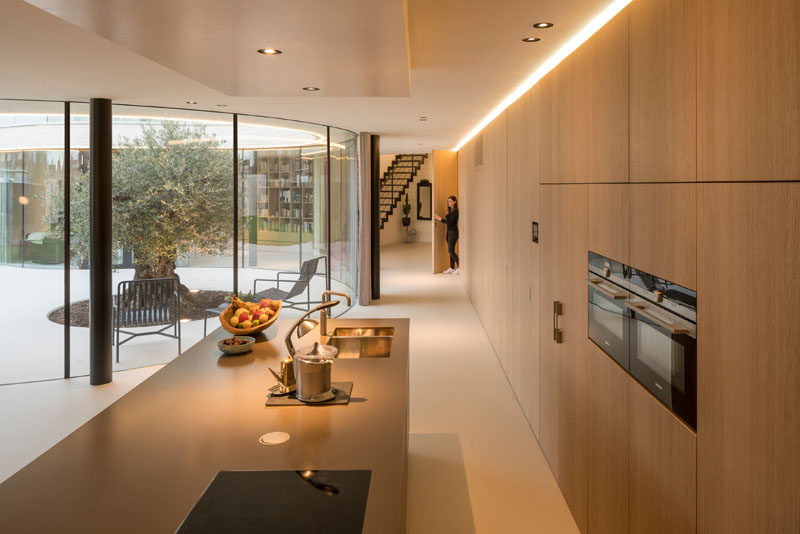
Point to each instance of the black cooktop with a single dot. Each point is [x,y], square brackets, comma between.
[281,501]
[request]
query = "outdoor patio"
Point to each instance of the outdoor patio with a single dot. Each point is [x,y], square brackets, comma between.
[32,347]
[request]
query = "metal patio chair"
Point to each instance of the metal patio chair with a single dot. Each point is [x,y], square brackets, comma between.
[143,303]
[301,284]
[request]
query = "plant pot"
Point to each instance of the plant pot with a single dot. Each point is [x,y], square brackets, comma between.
[406,221]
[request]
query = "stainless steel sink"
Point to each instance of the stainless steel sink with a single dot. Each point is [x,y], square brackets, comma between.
[363,332]
[351,346]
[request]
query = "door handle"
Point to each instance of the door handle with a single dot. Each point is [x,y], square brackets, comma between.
[616,295]
[641,309]
[558,334]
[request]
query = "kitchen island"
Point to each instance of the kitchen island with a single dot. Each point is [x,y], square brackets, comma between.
[142,463]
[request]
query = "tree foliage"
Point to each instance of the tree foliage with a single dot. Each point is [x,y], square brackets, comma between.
[171,194]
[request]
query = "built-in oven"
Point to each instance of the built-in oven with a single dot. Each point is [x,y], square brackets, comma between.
[608,315]
[648,325]
[663,342]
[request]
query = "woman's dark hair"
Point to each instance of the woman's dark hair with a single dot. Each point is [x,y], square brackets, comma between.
[455,203]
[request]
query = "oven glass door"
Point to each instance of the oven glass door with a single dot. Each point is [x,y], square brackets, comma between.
[666,364]
[608,323]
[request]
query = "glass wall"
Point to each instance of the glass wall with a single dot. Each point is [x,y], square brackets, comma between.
[282,191]
[31,240]
[344,209]
[173,213]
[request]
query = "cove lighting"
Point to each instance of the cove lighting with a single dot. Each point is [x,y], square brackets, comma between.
[578,39]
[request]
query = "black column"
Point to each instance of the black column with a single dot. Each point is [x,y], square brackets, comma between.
[100,248]
[67,245]
[375,226]
[236,204]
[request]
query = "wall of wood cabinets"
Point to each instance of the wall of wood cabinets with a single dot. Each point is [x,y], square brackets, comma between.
[620,150]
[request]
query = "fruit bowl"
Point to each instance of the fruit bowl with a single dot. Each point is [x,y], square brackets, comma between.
[247,346]
[225,318]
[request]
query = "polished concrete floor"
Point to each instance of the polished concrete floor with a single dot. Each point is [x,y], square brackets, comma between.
[474,464]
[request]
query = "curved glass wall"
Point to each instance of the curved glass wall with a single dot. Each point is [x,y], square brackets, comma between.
[175,199]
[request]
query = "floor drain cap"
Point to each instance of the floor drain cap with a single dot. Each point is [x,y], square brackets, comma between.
[274,438]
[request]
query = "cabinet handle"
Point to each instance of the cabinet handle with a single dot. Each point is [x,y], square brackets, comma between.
[641,309]
[558,334]
[616,295]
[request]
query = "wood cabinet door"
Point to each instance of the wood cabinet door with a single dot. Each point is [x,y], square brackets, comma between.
[663,91]
[583,107]
[609,221]
[748,358]
[445,183]
[663,231]
[663,474]
[573,368]
[608,440]
[748,117]
[549,276]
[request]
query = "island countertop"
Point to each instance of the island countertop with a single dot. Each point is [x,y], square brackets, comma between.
[142,463]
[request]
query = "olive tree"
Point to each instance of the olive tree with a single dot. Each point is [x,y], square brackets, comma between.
[171,195]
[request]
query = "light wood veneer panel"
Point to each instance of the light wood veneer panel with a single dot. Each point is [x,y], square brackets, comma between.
[574,362]
[445,183]
[549,275]
[663,233]
[663,474]
[532,193]
[584,111]
[523,344]
[748,90]
[663,91]
[608,440]
[609,214]
[749,358]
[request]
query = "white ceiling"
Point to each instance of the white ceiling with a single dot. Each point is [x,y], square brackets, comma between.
[452,61]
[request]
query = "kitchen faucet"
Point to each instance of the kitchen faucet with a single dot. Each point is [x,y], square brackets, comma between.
[323,315]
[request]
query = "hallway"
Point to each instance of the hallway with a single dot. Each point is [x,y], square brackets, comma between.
[465,423]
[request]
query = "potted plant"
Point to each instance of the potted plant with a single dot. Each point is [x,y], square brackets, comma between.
[406,210]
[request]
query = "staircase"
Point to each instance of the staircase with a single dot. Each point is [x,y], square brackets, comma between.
[395,182]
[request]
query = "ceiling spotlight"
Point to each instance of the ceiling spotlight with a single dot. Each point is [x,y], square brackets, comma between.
[191,101]
[312,89]
[269,51]
[543,25]
[531,40]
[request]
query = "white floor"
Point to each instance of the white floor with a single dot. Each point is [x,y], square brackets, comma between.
[474,464]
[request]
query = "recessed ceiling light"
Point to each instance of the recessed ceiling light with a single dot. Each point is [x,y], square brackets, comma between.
[312,89]
[531,40]
[269,51]
[423,119]
[191,101]
[542,25]
[222,105]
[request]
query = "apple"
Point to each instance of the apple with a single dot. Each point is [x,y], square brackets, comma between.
[241,311]
[264,318]
[247,324]
[265,303]
[256,322]
[244,316]
[234,321]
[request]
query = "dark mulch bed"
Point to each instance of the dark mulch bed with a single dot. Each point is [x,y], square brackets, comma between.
[193,306]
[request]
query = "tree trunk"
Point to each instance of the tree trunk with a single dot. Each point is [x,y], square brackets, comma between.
[163,267]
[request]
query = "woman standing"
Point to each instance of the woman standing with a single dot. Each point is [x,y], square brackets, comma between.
[451,219]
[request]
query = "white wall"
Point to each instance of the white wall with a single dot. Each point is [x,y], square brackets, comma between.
[393,231]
